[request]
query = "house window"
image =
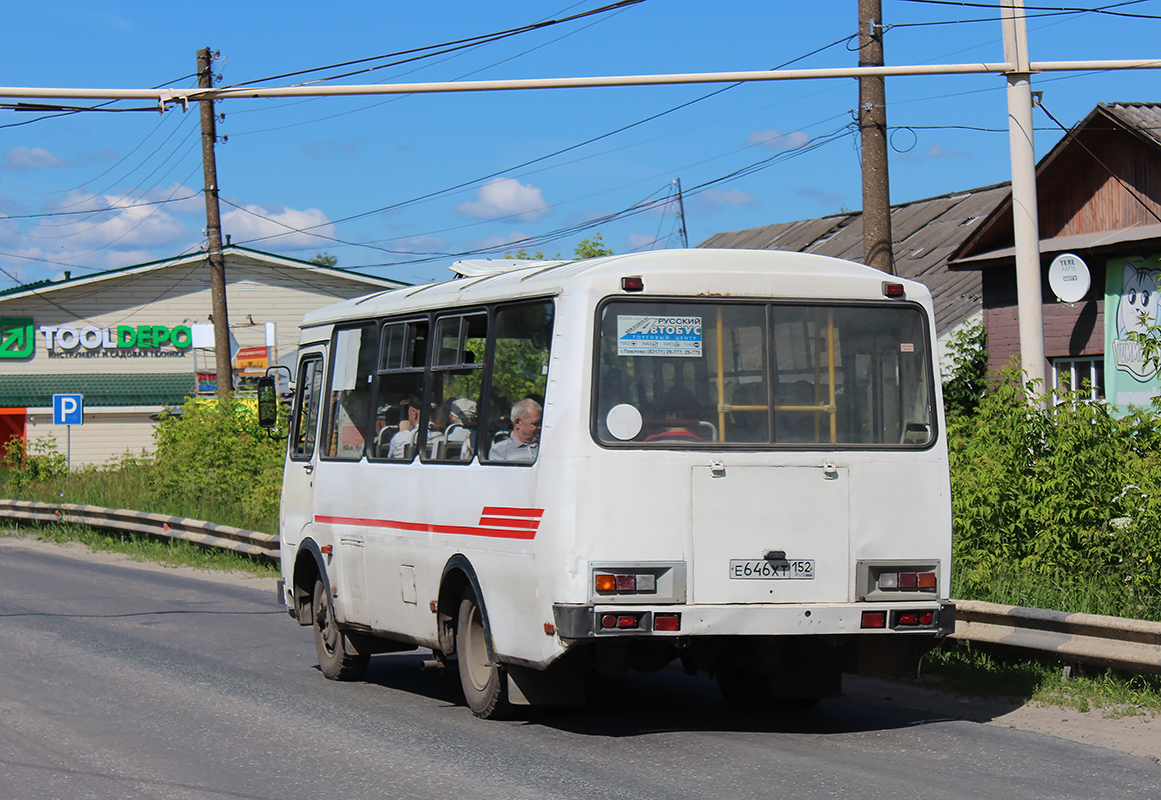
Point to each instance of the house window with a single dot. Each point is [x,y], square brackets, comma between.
[1086,375]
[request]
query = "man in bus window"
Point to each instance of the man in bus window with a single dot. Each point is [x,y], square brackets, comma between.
[407,431]
[522,445]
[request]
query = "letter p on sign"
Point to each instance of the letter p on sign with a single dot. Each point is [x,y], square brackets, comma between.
[68,409]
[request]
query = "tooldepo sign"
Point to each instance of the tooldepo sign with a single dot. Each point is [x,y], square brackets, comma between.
[121,337]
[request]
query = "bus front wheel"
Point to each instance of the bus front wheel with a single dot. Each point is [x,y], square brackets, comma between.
[336,658]
[485,682]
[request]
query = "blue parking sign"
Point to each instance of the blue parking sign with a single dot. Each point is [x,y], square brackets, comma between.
[68,409]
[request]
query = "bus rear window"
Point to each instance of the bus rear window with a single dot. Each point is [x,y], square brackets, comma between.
[705,374]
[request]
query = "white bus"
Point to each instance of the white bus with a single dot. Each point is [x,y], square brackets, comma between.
[731,458]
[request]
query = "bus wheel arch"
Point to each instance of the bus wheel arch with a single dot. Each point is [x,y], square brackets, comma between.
[309,567]
[464,630]
[458,576]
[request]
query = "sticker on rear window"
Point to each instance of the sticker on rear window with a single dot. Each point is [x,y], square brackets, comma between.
[659,336]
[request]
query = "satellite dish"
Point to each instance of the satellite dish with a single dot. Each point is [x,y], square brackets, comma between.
[1069,278]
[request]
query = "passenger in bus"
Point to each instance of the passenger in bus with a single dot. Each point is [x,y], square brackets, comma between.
[523,443]
[386,426]
[678,411]
[437,425]
[403,442]
[461,433]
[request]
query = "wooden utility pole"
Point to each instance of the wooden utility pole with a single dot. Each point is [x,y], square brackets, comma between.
[222,360]
[681,214]
[872,116]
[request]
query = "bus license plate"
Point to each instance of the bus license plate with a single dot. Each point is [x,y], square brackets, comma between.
[801,569]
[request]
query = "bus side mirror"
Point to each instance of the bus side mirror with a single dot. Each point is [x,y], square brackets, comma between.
[267,402]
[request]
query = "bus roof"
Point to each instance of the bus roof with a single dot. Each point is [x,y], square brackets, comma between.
[694,272]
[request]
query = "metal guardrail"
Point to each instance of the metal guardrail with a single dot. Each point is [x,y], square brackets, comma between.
[1130,644]
[208,534]
[1117,642]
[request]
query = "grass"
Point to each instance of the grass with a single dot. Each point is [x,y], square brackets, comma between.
[142,547]
[977,670]
[1097,591]
[127,485]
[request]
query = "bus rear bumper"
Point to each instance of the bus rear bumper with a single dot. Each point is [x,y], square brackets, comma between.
[593,621]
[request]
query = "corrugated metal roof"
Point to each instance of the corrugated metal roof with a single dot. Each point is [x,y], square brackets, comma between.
[231,251]
[99,389]
[1145,118]
[1062,244]
[925,233]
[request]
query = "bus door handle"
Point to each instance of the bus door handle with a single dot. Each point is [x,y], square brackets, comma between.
[829,471]
[308,467]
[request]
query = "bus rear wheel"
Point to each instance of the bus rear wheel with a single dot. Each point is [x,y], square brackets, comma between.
[336,658]
[485,682]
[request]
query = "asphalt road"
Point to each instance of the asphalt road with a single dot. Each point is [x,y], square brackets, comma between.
[121,682]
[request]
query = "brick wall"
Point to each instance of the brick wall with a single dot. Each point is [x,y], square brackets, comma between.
[1069,330]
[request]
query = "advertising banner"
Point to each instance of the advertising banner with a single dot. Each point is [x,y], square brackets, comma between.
[1131,305]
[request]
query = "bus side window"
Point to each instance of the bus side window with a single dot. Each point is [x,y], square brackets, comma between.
[310,376]
[347,429]
[457,378]
[519,372]
[398,406]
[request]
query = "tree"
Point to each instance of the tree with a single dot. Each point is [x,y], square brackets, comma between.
[966,385]
[592,248]
[324,259]
[588,248]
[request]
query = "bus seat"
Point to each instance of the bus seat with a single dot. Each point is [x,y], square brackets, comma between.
[708,430]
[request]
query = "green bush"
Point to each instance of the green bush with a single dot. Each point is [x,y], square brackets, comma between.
[966,384]
[1059,493]
[214,454]
[32,464]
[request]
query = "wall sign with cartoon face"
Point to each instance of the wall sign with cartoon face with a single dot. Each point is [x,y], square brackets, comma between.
[1132,305]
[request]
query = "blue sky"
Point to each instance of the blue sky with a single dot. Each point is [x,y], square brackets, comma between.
[378,176]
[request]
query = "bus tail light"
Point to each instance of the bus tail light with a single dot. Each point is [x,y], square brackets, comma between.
[922,581]
[623,582]
[667,622]
[874,619]
[622,621]
[921,619]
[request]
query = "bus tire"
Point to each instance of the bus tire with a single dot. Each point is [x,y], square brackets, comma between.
[336,658]
[484,681]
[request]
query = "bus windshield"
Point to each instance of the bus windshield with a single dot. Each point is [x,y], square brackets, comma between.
[694,374]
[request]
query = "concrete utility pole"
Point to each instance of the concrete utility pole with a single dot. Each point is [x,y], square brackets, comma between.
[1025,211]
[222,360]
[877,251]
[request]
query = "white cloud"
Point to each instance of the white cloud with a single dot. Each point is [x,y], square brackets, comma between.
[128,225]
[506,197]
[25,159]
[640,241]
[258,222]
[712,200]
[419,244]
[777,140]
[819,196]
[326,149]
[934,151]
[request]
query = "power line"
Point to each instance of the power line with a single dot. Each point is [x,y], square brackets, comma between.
[436,49]
[570,148]
[1055,9]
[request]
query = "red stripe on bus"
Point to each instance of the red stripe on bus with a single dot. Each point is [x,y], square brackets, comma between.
[497,511]
[501,522]
[424,527]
